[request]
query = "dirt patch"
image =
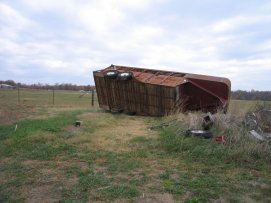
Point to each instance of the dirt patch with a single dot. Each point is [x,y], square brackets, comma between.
[33,163]
[112,135]
[186,196]
[49,181]
[261,186]
[155,198]
[7,117]
[6,161]
[55,177]
[71,130]
[5,177]
[42,193]
[56,165]
[11,113]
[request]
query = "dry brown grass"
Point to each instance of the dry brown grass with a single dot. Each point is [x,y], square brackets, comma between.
[37,104]
[48,179]
[241,107]
[155,198]
[107,133]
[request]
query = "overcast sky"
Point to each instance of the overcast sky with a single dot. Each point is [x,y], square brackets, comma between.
[63,41]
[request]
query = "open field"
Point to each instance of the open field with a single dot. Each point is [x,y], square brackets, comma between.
[114,157]
[39,103]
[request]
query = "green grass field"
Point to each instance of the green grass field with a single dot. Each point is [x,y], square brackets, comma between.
[39,103]
[114,157]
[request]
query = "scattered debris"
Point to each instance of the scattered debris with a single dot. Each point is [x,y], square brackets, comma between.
[265,119]
[256,135]
[103,188]
[15,128]
[199,126]
[251,121]
[199,133]
[220,139]
[259,123]
[78,123]
[208,121]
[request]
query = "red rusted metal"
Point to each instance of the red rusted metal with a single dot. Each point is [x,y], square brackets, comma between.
[158,93]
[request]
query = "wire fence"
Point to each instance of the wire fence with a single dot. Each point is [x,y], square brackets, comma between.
[39,97]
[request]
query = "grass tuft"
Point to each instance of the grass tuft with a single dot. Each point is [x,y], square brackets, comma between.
[118,192]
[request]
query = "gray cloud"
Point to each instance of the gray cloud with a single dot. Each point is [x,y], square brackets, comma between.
[64,41]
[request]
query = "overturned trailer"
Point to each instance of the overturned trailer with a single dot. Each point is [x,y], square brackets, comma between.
[157,93]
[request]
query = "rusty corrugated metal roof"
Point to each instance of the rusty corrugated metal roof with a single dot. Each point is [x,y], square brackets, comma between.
[165,78]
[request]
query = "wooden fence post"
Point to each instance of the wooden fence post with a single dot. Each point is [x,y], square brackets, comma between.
[53,96]
[92,97]
[18,94]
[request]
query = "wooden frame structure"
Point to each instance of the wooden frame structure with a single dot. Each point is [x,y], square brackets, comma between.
[158,93]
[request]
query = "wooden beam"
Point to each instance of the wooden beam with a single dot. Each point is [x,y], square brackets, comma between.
[172,73]
[147,79]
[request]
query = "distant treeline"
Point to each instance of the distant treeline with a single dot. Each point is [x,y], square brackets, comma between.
[251,95]
[56,86]
[239,94]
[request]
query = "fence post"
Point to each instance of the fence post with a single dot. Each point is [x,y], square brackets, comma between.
[53,96]
[92,97]
[18,94]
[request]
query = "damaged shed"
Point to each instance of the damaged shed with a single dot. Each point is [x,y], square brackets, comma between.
[157,93]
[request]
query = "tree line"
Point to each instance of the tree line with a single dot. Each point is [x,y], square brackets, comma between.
[251,95]
[238,94]
[56,86]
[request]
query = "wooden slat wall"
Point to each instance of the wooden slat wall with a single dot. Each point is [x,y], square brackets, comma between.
[134,96]
[101,91]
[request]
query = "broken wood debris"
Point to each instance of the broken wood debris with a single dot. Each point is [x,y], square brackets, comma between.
[258,123]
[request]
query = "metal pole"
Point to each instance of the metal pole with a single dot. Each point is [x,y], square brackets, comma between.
[92,97]
[53,96]
[18,93]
